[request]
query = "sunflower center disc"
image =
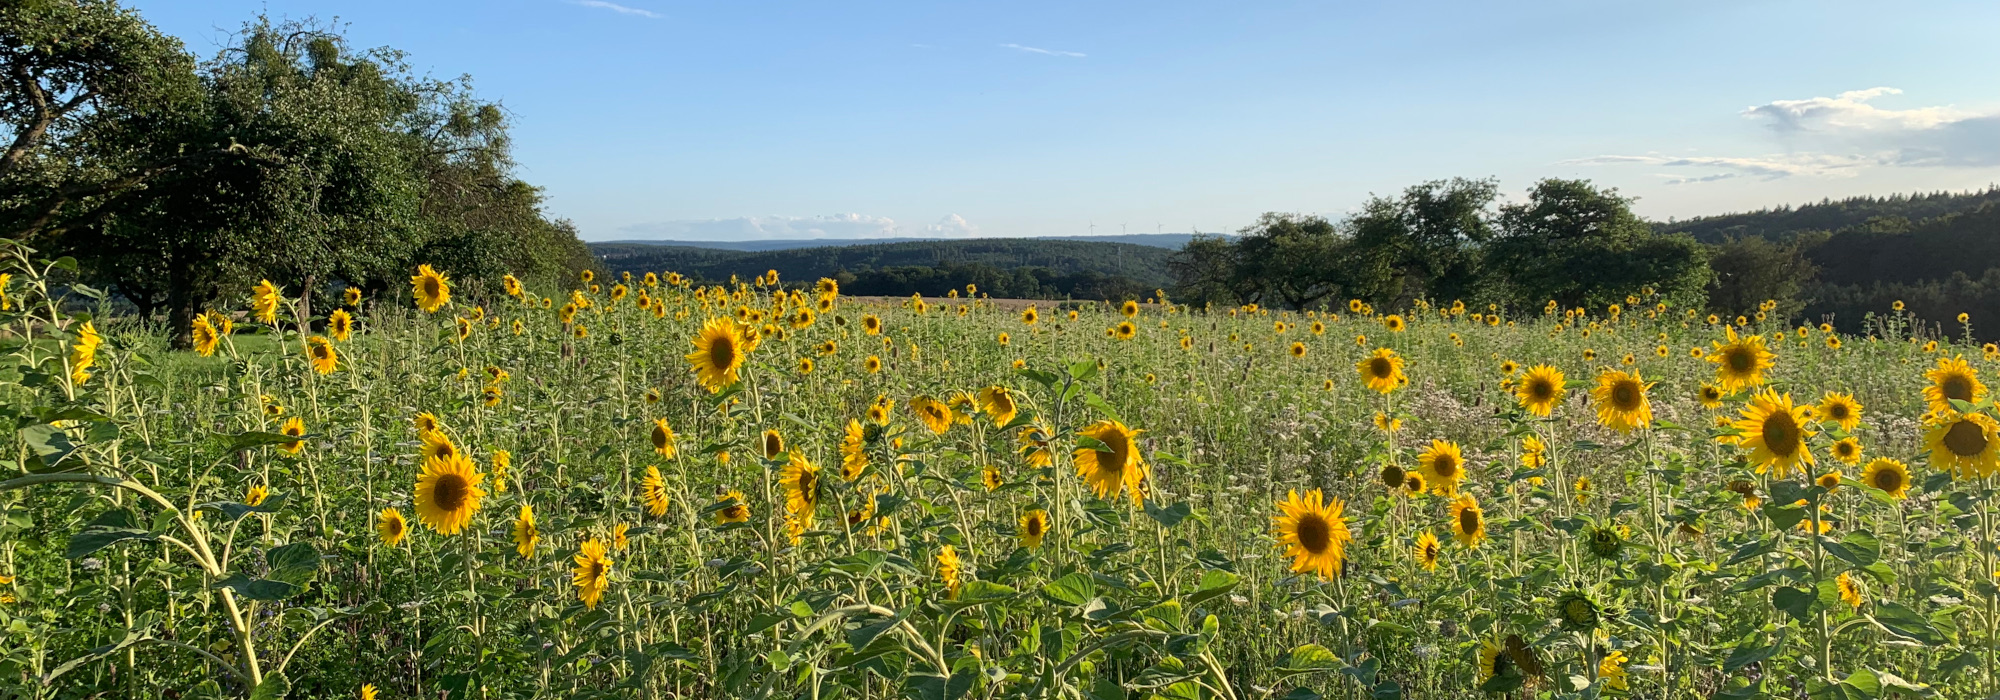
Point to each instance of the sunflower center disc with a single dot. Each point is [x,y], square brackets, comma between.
[1965,439]
[1314,534]
[450,492]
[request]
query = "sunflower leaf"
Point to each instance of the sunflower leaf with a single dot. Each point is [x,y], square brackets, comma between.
[1308,658]
[258,588]
[1796,602]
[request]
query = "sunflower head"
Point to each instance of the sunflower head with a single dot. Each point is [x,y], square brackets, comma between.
[1621,401]
[1313,533]
[1392,476]
[391,526]
[1847,450]
[1540,390]
[1710,396]
[1110,463]
[1741,362]
[733,508]
[1382,370]
[448,493]
[1579,610]
[1952,379]
[1604,542]
[1034,526]
[592,573]
[431,289]
[1443,466]
[1468,522]
[1967,445]
[1888,476]
[1775,432]
[718,355]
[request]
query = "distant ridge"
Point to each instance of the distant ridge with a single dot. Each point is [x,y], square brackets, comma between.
[1022,267]
[1157,240]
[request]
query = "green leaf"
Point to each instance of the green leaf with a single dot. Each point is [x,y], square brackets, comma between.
[274,687]
[1898,619]
[1169,516]
[1749,653]
[1097,402]
[1074,589]
[981,592]
[1784,516]
[1857,548]
[236,511]
[1308,658]
[258,588]
[293,563]
[49,443]
[1214,582]
[1796,602]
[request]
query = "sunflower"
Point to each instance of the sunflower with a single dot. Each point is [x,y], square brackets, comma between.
[1031,316]
[1888,476]
[664,440]
[1952,378]
[437,445]
[1383,370]
[1413,484]
[265,299]
[1394,323]
[526,534]
[1298,350]
[653,491]
[1534,453]
[1611,671]
[1494,662]
[1313,533]
[340,325]
[1468,522]
[1847,450]
[1840,409]
[1383,421]
[1578,611]
[1850,590]
[1427,551]
[1034,442]
[391,526]
[320,350]
[1443,466]
[293,427]
[735,510]
[83,352]
[800,480]
[998,403]
[619,540]
[1829,480]
[772,443]
[854,450]
[1775,433]
[448,493]
[368,691]
[1509,367]
[1125,330]
[1113,464]
[1621,401]
[205,337]
[255,495]
[1129,309]
[592,574]
[949,569]
[1966,445]
[1540,390]
[1748,491]
[1034,526]
[431,289]
[935,415]
[718,354]
[872,364]
[1741,362]
[989,477]
[871,324]
[1710,396]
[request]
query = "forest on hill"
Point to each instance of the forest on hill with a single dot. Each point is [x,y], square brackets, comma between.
[1001,267]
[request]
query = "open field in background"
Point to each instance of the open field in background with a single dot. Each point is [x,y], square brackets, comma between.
[622,492]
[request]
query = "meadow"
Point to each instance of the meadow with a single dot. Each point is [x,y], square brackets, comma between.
[640,487]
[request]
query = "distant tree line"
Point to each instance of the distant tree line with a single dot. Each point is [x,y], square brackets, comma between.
[1568,241]
[1014,283]
[1026,268]
[178,183]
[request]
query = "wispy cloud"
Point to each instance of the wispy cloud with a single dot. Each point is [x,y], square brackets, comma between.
[1840,136]
[1044,52]
[615,7]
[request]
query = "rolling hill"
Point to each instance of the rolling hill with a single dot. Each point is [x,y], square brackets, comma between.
[1171,241]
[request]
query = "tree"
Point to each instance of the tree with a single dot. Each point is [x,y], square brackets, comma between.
[1579,245]
[1749,271]
[1293,260]
[1428,240]
[82,83]
[1204,271]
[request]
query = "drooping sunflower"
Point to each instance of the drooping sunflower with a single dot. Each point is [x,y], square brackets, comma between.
[83,352]
[255,495]
[1468,522]
[1741,362]
[526,533]
[1427,551]
[1313,533]
[949,569]
[665,443]
[1775,432]
[1966,445]
[437,445]
[1034,526]
[1621,401]
[294,427]
[854,450]
[1611,671]
[324,359]
[998,403]
[265,299]
[448,493]
[426,422]
[592,574]
[772,443]
[391,526]
[619,536]
[1034,442]
[653,491]
[718,354]
[1850,590]
[1494,662]
[1534,452]
[800,480]
[1847,450]
[1841,409]
[204,337]
[737,509]
[935,414]
[1113,464]
[431,289]
[1888,476]
[1952,378]
[1443,466]
[1382,371]
[1540,390]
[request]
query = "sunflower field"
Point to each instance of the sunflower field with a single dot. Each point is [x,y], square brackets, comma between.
[646,488]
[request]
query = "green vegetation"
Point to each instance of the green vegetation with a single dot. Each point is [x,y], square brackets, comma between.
[288,156]
[1001,267]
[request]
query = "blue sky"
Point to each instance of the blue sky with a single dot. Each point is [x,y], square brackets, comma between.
[668,118]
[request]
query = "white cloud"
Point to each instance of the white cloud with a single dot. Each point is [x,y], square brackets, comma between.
[1841,135]
[755,228]
[1044,52]
[615,7]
